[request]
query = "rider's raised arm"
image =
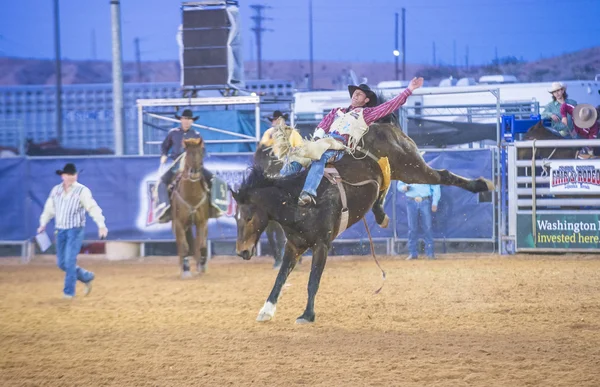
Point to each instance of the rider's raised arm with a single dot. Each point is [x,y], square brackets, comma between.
[372,114]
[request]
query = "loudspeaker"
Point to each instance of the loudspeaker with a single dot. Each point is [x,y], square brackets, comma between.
[211,45]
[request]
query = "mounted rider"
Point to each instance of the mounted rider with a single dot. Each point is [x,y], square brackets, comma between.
[347,126]
[172,147]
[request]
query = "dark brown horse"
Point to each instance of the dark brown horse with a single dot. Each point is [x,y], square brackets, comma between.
[261,199]
[190,202]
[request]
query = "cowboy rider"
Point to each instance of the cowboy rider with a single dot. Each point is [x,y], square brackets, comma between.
[362,112]
[173,143]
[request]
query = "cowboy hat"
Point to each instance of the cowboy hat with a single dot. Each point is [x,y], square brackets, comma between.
[187,113]
[367,90]
[277,114]
[584,115]
[556,86]
[69,169]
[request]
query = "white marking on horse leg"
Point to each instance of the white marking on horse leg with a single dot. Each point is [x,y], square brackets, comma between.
[267,312]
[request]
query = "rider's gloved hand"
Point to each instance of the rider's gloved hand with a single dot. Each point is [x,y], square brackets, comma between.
[163,159]
[318,134]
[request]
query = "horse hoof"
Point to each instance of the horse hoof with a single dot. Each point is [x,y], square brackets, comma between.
[266,313]
[385,223]
[277,265]
[186,274]
[302,321]
[201,269]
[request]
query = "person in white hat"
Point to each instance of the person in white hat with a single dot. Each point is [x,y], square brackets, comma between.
[552,110]
[585,123]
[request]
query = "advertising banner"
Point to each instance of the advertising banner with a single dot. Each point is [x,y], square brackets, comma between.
[568,230]
[575,176]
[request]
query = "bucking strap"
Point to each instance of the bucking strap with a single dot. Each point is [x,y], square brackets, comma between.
[332,174]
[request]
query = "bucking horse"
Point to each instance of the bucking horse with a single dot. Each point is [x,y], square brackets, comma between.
[345,195]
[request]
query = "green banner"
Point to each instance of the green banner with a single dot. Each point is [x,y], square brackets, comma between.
[559,231]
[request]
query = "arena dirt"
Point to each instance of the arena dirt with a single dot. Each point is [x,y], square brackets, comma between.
[482,321]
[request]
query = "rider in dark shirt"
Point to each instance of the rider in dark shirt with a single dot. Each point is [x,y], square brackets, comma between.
[172,147]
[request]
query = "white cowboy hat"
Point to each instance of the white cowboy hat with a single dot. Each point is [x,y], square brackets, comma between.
[556,86]
[584,115]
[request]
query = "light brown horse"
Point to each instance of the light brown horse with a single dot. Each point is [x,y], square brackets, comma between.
[190,203]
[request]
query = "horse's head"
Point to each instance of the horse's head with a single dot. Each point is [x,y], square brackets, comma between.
[251,216]
[194,157]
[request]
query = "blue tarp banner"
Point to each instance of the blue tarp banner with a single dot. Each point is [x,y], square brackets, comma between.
[13,199]
[460,215]
[122,187]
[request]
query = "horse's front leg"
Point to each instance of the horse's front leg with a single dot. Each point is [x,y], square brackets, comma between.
[316,270]
[290,257]
[182,248]
[200,253]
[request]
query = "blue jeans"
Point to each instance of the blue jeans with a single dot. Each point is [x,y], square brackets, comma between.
[317,169]
[68,245]
[422,210]
[290,168]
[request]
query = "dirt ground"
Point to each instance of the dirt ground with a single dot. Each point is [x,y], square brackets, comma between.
[480,320]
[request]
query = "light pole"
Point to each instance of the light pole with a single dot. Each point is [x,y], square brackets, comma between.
[396,55]
[396,52]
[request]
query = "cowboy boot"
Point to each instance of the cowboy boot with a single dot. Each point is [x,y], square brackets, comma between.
[162,211]
[305,199]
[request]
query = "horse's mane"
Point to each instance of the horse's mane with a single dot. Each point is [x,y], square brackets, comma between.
[257,179]
[193,141]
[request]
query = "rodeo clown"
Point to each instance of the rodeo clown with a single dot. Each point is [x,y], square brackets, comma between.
[173,143]
[347,125]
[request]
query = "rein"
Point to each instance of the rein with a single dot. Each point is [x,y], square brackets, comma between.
[374,257]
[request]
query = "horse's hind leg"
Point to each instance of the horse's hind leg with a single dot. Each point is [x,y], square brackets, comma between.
[318,265]
[288,263]
[418,172]
[380,216]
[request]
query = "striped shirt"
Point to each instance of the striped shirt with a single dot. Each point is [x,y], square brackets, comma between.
[68,207]
[370,114]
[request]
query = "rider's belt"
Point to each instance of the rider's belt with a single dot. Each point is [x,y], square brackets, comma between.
[421,198]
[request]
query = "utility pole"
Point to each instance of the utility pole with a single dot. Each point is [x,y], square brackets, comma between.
[454,52]
[404,43]
[434,62]
[496,55]
[93,45]
[467,58]
[138,59]
[57,59]
[258,30]
[117,74]
[310,45]
[396,52]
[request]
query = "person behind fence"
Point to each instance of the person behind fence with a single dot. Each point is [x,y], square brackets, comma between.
[362,112]
[585,124]
[267,138]
[552,109]
[421,202]
[67,204]
[172,147]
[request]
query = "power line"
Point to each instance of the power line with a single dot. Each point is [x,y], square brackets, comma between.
[258,30]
